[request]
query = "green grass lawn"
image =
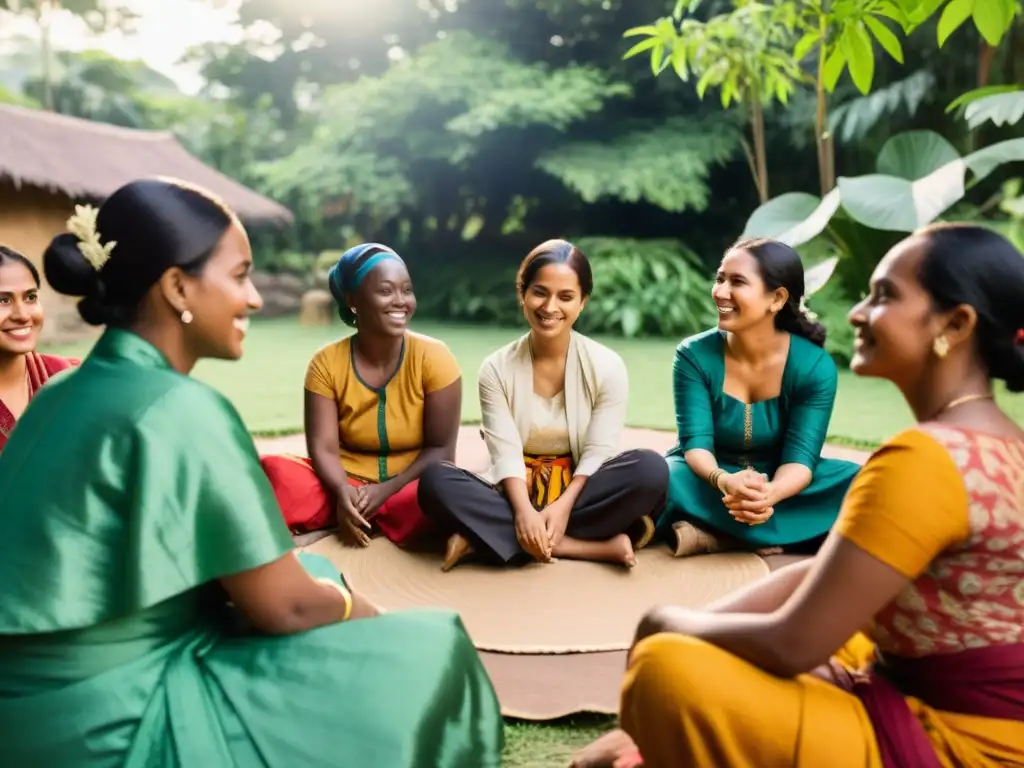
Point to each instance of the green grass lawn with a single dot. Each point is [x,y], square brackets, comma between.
[266,385]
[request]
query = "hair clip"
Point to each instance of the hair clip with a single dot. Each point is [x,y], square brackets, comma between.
[805,311]
[83,226]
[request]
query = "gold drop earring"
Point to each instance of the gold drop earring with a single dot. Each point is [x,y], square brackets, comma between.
[940,347]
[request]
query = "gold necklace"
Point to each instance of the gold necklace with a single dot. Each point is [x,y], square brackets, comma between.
[965,399]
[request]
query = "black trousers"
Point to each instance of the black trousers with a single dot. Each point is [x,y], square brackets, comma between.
[623,490]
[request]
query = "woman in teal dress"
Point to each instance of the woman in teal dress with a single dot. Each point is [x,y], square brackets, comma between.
[152,609]
[753,399]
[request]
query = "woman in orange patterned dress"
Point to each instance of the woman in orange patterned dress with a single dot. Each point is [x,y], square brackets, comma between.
[926,559]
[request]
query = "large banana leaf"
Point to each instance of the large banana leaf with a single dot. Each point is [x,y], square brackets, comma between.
[899,205]
[914,155]
[984,161]
[794,218]
[920,175]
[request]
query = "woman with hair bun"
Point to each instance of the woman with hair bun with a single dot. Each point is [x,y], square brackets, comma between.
[22,370]
[922,568]
[152,609]
[753,399]
[382,405]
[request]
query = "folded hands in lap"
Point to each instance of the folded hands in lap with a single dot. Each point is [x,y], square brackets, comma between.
[357,507]
[748,496]
[533,534]
[353,527]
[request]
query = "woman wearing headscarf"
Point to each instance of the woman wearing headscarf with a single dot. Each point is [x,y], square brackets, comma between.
[381,405]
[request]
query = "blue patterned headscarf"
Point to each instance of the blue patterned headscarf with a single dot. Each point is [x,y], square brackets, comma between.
[354,265]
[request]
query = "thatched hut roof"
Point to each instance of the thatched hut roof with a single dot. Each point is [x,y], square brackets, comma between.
[86,160]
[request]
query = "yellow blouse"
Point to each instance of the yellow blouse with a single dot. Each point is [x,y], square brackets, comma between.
[380,431]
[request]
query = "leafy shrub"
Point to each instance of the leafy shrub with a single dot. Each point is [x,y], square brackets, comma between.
[477,292]
[646,288]
[832,304]
[641,288]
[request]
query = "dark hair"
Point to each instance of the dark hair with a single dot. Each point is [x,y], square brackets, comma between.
[555,252]
[9,256]
[780,267]
[154,224]
[967,264]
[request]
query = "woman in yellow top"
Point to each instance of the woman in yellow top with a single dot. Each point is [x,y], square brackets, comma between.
[926,558]
[381,406]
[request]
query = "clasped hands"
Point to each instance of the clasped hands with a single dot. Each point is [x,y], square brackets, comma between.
[357,507]
[540,532]
[747,495]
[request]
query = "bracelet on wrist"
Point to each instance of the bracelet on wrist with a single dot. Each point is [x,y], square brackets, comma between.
[715,479]
[343,591]
[348,602]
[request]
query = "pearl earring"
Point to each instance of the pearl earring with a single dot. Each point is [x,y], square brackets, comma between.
[186,317]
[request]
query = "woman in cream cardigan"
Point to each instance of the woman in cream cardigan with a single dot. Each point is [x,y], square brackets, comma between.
[554,404]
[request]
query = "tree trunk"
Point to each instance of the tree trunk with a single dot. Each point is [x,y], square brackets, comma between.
[985,56]
[760,152]
[822,135]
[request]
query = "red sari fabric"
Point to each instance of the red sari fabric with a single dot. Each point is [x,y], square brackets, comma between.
[984,682]
[40,368]
[307,506]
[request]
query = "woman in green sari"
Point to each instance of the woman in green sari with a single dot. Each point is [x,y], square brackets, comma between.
[753,399]
[152,610]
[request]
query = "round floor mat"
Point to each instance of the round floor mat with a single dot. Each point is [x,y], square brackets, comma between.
[562,607]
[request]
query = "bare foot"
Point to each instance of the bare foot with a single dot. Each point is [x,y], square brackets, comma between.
[617,549]
[605,752]
[458,547]
[621,550]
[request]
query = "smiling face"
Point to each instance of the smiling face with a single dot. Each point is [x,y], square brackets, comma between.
[553,300]
[740,295]
[21,314]
[221,298]
[385,301]
[895,325]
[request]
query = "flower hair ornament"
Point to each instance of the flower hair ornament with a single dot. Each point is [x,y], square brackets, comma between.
[805,311]
[83,226]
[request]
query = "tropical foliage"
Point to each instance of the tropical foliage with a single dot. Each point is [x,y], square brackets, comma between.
[464,133]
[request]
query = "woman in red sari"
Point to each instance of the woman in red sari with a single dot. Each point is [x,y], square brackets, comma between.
[22,370]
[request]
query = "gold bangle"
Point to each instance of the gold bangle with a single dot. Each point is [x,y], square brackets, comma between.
[714,477]
[343,590]
[348,602]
